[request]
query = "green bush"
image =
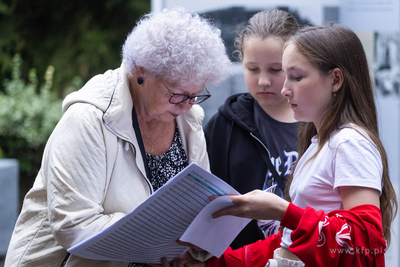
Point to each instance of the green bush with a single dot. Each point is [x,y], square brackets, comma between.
[79,38]
[28,116]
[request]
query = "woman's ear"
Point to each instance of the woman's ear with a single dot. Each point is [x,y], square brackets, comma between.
[337,79]
[139,72]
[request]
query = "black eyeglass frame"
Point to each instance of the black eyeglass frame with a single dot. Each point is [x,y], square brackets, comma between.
[186,97]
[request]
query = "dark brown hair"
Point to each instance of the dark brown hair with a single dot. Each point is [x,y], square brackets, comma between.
[336,46]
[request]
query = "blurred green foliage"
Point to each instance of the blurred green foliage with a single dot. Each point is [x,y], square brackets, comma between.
[79,38]
[67,42]
[28,116]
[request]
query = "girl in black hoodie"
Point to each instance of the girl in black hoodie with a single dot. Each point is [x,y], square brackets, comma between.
[253,128]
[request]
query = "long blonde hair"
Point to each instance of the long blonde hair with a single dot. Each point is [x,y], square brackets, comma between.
[335,46]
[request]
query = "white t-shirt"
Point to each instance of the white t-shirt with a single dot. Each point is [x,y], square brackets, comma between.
[347,159]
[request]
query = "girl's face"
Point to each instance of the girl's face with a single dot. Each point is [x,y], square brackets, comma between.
[262,66]
[308,91]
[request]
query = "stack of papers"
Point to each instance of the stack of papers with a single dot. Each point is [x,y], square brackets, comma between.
[179,210]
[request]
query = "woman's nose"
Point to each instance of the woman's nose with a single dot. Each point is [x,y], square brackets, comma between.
[185,106]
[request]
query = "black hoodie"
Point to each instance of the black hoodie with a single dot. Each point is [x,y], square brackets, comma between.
[231,136]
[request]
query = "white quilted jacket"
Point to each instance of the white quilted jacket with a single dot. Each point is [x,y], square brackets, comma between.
[92,173]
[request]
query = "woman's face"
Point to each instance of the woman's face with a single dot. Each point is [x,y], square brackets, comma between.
[155,98]
[262,66]
[308,91]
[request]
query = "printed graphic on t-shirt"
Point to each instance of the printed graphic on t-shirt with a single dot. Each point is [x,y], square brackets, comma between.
[284,167]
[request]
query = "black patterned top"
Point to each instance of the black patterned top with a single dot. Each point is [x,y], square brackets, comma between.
[167,165]
[164,167]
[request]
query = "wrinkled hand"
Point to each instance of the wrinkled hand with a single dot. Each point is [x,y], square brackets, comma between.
[256,205]
[185,261]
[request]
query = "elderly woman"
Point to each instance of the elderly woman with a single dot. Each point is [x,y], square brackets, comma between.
[122,136]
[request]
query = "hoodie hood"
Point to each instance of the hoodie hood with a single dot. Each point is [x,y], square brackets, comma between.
[98,90]
[240,109]
[108,92]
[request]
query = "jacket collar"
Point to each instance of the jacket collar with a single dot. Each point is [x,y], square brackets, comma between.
[117,115]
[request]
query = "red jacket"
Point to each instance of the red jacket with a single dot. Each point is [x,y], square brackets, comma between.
[341,238]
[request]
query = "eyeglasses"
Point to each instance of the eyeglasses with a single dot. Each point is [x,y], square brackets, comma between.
[179,98]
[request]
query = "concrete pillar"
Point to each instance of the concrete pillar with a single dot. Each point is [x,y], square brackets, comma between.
[9,197]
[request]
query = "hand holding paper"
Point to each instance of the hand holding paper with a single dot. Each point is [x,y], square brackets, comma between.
[257,205]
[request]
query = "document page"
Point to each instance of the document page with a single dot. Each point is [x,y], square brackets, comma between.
[214,235]
[150,231]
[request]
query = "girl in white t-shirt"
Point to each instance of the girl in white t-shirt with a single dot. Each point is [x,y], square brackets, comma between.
[342,200]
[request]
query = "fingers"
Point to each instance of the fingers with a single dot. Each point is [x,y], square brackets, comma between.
[234,210]
[185,261]
[182,262]
[195,263]
[187,257]
[253,205]
[225,212]
[248,205]
[211,198]
[190,245]
[233,198]
[164,263]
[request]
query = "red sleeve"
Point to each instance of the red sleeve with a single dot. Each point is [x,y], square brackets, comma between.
[341,238]
[255,254]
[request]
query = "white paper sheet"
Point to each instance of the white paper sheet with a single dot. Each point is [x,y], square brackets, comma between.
[214,235]
[150,231]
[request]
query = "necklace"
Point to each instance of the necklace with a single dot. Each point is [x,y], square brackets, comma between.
[155,140]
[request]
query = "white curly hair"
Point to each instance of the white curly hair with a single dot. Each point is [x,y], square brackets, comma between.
[177,46]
